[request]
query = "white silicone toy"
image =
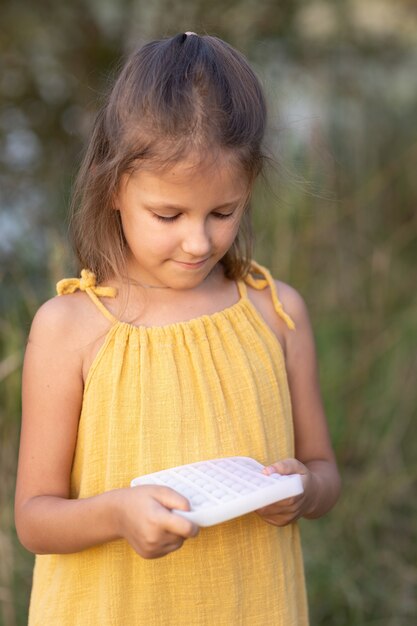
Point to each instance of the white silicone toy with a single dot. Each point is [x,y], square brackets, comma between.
[221,489]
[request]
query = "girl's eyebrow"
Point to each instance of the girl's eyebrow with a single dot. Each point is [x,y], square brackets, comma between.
[177,207]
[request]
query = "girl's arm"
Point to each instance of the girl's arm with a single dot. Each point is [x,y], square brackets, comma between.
[47,520]
[315,459]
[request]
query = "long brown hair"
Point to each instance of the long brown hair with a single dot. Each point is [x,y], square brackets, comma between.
[172,96]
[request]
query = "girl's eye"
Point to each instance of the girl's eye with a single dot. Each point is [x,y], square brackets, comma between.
[172,218]
[222,216]
[164,218]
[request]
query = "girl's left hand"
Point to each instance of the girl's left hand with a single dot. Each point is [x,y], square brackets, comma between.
[289,510]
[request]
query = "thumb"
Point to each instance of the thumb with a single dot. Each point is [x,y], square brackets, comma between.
[171,499]
[285,467]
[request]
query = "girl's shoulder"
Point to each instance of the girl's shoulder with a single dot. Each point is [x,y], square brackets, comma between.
[292,303]
[69,324]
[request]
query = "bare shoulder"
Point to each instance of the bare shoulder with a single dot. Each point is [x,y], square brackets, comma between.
[67,319]
[292,303]
[300,349]
[69,328]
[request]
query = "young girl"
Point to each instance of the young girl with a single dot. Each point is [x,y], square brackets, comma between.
[172,347]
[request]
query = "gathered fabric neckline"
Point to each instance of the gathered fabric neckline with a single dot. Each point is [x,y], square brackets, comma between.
[258,277]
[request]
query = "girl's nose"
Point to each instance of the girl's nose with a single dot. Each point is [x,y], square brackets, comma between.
[196,241]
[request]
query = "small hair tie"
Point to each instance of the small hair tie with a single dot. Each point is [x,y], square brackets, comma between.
[190,32]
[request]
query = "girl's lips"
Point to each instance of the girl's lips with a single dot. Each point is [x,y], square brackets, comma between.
[192,265]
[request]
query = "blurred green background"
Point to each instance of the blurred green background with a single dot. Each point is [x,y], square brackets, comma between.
[338,221]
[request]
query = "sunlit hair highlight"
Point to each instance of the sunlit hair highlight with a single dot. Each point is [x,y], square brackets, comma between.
[186,94]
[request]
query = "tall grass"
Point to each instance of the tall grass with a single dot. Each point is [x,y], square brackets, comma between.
[22,293]
[12,337]
[352,258]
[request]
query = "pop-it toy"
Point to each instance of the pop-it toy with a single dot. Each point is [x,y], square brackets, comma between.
[221,489]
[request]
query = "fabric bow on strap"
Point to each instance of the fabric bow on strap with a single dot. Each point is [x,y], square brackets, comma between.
[87,282]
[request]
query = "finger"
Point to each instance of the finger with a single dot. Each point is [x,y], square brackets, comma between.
[184,528]
[166,548]
[288,504]
[281,520]
[177,525]
[280,517]
[173,542]
[272,511]
[171,499]
[285,467]
[192,531]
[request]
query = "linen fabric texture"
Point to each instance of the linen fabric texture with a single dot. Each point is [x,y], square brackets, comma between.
[158,397]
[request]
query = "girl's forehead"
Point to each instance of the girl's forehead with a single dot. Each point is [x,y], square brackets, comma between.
[222,167]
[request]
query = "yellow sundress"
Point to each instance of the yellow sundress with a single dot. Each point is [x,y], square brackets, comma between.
[157,397]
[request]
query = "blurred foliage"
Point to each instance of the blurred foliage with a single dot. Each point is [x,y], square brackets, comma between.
[338,221]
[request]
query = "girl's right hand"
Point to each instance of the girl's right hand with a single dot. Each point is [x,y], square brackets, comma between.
[146,521]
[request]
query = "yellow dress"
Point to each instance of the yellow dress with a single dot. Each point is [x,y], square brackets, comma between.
[158,397]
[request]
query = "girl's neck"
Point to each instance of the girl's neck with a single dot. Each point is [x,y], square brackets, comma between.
[212,281]
[142,304]
[135,283]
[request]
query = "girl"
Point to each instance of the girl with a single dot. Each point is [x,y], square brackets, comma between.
[172,347]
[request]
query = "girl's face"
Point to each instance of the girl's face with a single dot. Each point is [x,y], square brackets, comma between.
[180,222]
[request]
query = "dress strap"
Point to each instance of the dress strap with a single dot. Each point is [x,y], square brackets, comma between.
[88,283]
[243,292]
[266,280]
